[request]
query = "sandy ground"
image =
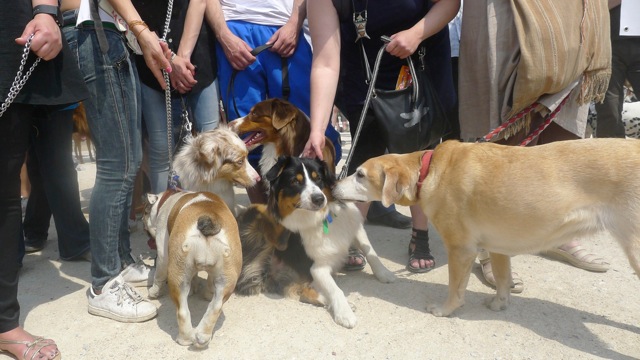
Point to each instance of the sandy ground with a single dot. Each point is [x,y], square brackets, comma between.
[564,312]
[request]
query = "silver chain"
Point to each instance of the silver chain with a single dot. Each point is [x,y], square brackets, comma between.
[20,80]
[173,176]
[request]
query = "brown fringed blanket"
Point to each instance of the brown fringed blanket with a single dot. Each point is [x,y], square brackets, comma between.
[559,40]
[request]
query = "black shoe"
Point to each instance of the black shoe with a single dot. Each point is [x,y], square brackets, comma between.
[31,246]
[391,219]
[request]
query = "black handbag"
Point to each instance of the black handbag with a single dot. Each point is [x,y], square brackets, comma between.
[413,118]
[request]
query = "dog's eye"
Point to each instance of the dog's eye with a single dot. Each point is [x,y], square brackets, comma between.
[240,162]
[360,174]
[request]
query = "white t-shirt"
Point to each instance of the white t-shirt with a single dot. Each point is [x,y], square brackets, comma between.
[263,12]
[84,13]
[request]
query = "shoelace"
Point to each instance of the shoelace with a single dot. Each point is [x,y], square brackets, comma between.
[125,292]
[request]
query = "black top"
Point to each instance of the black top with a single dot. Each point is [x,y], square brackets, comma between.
[387,18]
[55,82]
[154,13]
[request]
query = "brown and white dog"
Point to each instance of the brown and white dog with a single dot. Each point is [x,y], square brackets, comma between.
[300,199]
[81,132]
[273,258]
[282,129]
[194,231]
[510,200]
[214,161]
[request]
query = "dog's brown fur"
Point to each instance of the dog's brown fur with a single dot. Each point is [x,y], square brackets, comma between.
[282,128]
[511,200]
[274,260]
[81,132]
[195,232]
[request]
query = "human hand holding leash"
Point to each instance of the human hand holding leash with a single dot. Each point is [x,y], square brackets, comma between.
[156,54]
[285,40]
[47,40]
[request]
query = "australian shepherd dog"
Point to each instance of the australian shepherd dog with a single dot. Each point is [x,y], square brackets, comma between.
[215,161]
[282,129]
[301,200]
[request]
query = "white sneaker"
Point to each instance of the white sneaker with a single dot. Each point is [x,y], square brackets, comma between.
[121,302]
[138,274]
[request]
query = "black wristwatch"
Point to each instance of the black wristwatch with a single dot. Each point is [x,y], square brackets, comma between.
[51,10]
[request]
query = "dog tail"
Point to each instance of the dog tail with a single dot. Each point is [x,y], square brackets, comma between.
[207,226]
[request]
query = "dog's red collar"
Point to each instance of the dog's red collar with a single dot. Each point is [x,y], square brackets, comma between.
[425,161]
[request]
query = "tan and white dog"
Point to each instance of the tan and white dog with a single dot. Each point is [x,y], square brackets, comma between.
[214,161]
[510,200]
[194,232]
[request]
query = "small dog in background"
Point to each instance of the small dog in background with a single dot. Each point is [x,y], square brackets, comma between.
[81,132]
[194,231]
[214,161]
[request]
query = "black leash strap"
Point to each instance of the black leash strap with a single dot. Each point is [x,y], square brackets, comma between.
[286,88]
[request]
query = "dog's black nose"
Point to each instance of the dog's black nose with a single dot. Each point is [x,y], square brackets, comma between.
[317,199]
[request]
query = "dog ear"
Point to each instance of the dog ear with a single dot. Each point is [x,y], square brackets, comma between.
[395,186]
[275,171]
[152,198]
[326,174]
[282,113]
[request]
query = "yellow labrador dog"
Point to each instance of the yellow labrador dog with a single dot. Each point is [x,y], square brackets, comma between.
[195,231]
[510,200]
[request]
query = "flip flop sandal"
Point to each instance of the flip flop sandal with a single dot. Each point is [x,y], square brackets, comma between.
[33,347]
[420,251]
[517,285]
[355,254]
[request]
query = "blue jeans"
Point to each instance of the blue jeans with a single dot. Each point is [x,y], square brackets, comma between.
[204,111]
[113,113]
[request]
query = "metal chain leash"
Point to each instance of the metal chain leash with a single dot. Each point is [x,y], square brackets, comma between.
[20,80]
[173,176]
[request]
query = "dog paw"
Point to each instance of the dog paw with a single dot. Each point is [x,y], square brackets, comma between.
[385,276]
[343,315]
[184,340]
[497,303]
[201,340]
[154,292]
[437,310]
[347,320]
